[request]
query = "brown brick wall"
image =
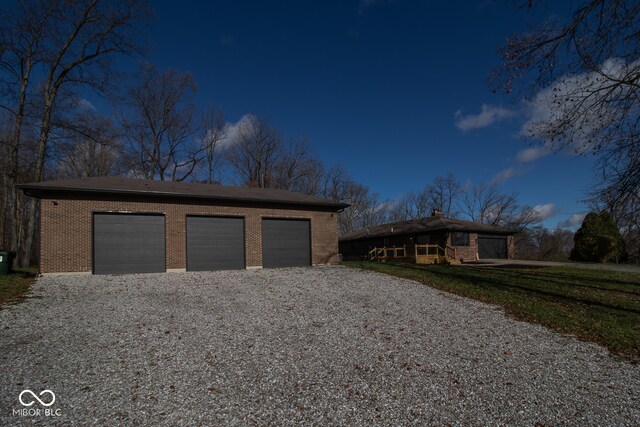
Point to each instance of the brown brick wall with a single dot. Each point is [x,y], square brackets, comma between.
[467,253]
[511,247]
[66,228]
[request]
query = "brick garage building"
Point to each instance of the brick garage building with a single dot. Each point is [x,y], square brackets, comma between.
[470,240]
[123,225]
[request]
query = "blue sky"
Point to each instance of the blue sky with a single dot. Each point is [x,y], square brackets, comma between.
[394,91]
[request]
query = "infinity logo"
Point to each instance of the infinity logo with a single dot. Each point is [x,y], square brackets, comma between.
[53,398]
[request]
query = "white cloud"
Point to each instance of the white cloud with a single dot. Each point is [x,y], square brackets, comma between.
[531,154]
[544,212]
[547,113]
[489,115]
[544,114]
[232,130]
[506,175]
[575,107]
[85,104]
[523,157]
[574,221]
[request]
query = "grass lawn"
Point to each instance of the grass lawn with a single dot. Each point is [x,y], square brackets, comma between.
[594,305]
[15,285]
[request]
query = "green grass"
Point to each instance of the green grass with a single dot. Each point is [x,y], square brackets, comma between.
[594,305]
[14,286]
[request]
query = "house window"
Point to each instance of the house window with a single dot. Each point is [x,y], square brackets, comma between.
[460,238]
[422,239]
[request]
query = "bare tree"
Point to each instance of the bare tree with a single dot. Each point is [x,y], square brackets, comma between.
[402,209]
[94,151]
[158,125]
[486,205]
[410,206]
[334,187]
[254,154]
[5,189]
[15,218]
[539,243]
[215,133]
[333,183]
[364,211]
[522,217]
[443,194]
[297,168]
[22,33]
[627,217]
[585,94]
[73,44]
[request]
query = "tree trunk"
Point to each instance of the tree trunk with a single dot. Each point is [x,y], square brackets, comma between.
[210,164]
[12,168]
[5,209]
[25,253]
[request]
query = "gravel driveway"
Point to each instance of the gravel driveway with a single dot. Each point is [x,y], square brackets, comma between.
[295,346]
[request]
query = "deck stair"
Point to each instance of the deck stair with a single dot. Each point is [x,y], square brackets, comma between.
[386,253]
[435,254]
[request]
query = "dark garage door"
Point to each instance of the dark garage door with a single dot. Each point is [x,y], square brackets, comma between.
[215,243]
[128,243]
[492,247]
[286,243]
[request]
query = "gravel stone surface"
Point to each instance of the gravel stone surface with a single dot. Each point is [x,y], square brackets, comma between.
[324,346]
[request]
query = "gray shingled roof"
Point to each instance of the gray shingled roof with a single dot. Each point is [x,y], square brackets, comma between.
[424,225]
[168,189]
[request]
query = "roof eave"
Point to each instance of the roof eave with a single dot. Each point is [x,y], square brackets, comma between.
[421,231]
[36,190]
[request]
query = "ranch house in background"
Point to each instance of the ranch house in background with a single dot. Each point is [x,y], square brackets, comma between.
[435,239]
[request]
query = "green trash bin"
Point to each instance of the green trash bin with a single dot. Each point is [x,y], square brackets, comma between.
[5,263]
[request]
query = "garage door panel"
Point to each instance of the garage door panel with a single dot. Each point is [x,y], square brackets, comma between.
[128,243]
[215,243]
[286,243]
[492,247]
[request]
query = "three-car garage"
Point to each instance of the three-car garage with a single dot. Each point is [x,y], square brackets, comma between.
[115,225]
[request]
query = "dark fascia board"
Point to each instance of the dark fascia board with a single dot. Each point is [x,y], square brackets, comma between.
[36,190]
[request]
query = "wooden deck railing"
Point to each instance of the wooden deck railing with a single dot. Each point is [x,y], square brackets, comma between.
[384,253]
[434,254]
[424,254]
